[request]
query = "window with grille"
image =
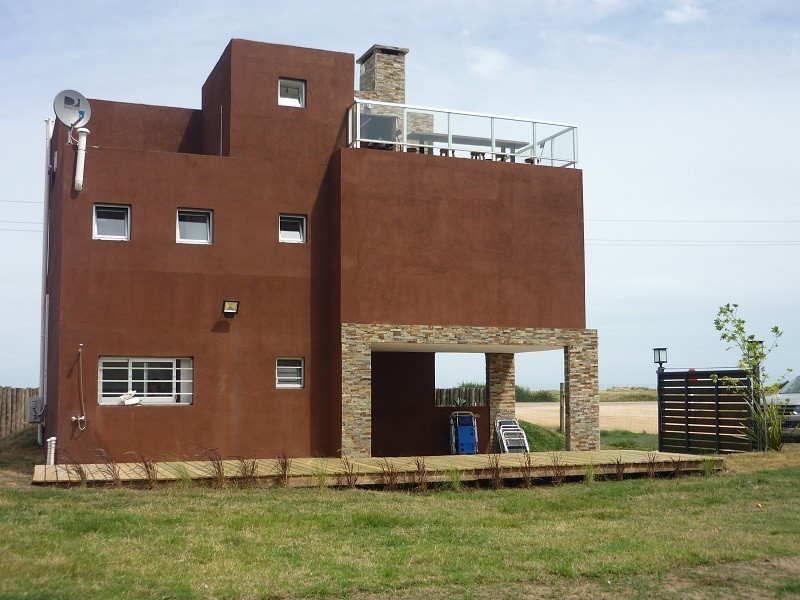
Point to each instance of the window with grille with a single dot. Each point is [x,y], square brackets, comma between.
[166,381]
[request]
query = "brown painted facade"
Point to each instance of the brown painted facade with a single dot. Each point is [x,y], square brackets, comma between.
[391,238]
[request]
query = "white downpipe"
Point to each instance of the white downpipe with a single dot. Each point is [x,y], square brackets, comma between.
[81,160]
[51,451]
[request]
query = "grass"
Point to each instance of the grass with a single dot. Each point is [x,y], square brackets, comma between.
[542,439]
[655,538]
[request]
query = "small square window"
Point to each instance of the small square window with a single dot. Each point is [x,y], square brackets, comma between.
[292,92]
[292,229]
[193,226]
[289,373]
[111,222]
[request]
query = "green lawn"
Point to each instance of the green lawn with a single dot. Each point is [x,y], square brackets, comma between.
[726,536]
[542,439]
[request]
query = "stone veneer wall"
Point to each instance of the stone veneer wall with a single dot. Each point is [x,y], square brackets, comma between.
[383,78]
[502,394]
[385,75]
[580,373]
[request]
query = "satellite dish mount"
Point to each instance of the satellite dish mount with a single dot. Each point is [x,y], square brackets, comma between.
[73,109]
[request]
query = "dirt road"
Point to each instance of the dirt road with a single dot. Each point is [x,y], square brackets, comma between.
[630,416]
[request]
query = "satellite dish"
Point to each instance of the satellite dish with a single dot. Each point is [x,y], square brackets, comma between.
[72,108]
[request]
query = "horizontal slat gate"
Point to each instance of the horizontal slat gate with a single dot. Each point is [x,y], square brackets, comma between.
[704,411]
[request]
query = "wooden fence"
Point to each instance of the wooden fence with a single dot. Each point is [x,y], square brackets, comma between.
[704,411]
[13,406]
[468,396]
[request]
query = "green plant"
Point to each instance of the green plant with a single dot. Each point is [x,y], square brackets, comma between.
[320,474]
[454,480]
[767,420]
[588,473]
[180,471]
[766,424]
[709,467]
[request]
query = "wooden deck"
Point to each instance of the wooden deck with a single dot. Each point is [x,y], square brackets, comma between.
[321,472]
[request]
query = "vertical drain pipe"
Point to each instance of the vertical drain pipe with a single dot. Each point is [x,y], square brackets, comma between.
[81,159]
[51,451]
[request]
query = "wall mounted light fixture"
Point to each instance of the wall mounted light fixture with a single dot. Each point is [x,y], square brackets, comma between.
[230,308]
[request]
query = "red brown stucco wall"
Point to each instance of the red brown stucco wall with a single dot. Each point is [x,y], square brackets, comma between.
[153,297]
[438,240]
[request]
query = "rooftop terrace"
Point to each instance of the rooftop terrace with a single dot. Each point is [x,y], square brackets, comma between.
[459,134]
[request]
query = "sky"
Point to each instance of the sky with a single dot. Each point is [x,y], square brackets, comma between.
[688,128]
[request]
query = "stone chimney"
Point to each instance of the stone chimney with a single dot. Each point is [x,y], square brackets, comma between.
[383,74]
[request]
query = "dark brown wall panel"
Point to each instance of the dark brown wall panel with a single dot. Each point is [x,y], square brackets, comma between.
[143,127]
[260,128]
[437,240]
[153,297]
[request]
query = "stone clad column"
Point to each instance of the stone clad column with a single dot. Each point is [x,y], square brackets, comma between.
[501,393]
[582,414]
[356,396]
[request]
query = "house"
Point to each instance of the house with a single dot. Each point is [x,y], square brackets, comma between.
[356,238]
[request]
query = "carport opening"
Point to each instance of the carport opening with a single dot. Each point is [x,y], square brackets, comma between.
[539,378]
[538,381]
[414,394]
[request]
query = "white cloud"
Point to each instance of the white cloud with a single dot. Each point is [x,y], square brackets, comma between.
[488,61]
[684,14]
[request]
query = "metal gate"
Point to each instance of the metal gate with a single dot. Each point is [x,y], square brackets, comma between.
[702,412]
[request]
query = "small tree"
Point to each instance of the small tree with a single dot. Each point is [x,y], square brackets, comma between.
[767,419]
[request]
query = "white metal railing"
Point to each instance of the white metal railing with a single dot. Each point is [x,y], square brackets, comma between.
[389,126]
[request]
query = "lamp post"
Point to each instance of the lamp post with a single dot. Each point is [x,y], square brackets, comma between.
[660,357]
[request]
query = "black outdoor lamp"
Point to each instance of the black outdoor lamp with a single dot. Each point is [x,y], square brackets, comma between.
[230,308]
[660,357]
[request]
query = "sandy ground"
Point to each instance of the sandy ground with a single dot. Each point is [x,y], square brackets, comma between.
[630,416]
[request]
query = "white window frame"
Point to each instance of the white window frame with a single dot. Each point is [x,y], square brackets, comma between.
[288,237]
[179,380]
[294,84]
[294,382]
[194,211]
[120,238]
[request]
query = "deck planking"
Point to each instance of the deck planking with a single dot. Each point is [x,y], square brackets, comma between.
[321,472]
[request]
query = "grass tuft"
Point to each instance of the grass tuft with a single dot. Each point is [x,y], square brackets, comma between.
[420,474]
[348,476]
[284,466]
[495,472]
[215,470]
